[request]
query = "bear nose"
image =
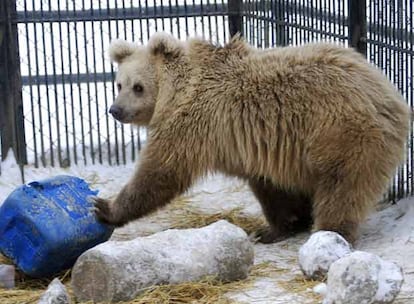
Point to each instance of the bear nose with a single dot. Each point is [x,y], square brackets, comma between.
[116,111]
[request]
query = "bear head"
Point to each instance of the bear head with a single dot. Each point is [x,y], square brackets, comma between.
[137,80]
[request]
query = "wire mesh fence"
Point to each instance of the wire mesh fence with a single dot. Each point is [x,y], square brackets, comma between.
[67,79]
[390,46]
[271,22]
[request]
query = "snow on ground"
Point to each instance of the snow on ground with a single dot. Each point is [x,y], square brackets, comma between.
[388,233]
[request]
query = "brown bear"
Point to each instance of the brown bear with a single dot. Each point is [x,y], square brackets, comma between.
[315,130]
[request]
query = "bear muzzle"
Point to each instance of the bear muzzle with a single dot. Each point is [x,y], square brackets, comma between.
[117,112]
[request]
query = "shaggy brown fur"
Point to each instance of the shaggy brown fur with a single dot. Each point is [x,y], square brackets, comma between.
[316,130]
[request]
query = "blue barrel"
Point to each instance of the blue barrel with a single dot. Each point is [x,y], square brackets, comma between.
[46,225]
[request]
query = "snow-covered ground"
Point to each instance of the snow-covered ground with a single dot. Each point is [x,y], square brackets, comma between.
[388,233]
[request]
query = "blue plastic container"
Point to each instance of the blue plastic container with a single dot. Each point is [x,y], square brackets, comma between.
[46,225]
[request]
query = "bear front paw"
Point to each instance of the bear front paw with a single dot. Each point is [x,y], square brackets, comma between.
[104,212]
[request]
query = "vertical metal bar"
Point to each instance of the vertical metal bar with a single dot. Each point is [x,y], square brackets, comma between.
[123,150]
[105,88]
[155,15]
[170,18]
[330,27]
[113,89]
[234,9]
[32,105]
[140,22]
[49,118]
[291,19]
[336,26]
[194,17]
[405,20]
[313,21]
[256,35]
[72,100]
[132,133]
[370,46]
[341,23]
[39,104]
[411,101]
[245,19]
[246,31]
[209,19]
[285,22]
[252,23]
[66,161]
[57,118]
[162,15]
[224,22]
[298,15]
[216,22]
[203,30]
[380,25]
[280,28]
[269,23]
[11,103]
[88,89]
[178,20]
[389,39]
[95,83]
[399,73]
[325,18]
[148,23]
[375,18]
[357,25]
[320,20]
[186,17]
[79,89]
[306,22]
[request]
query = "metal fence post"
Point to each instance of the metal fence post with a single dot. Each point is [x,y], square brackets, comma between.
[281,28]
[357,27]
[11,104]
[235,16]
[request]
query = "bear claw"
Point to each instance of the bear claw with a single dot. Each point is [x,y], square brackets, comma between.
[268,236]
[102,209]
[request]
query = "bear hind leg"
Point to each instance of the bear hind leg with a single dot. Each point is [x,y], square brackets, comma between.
[287,213]
[342,208]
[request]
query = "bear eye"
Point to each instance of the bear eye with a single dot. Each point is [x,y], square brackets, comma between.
[137,88]
[119,87]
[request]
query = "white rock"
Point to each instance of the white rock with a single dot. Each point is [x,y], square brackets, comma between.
[7,273]
[56,293]
[320,289]
[119,271]
[320,251]
[363,278]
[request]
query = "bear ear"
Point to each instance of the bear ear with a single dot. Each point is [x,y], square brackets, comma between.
[165,45]
[121,49]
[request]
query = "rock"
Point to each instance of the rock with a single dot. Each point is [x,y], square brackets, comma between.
[7,273]
[55,294]
[320,289]
[320,251]
[119,271]
[363,278]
